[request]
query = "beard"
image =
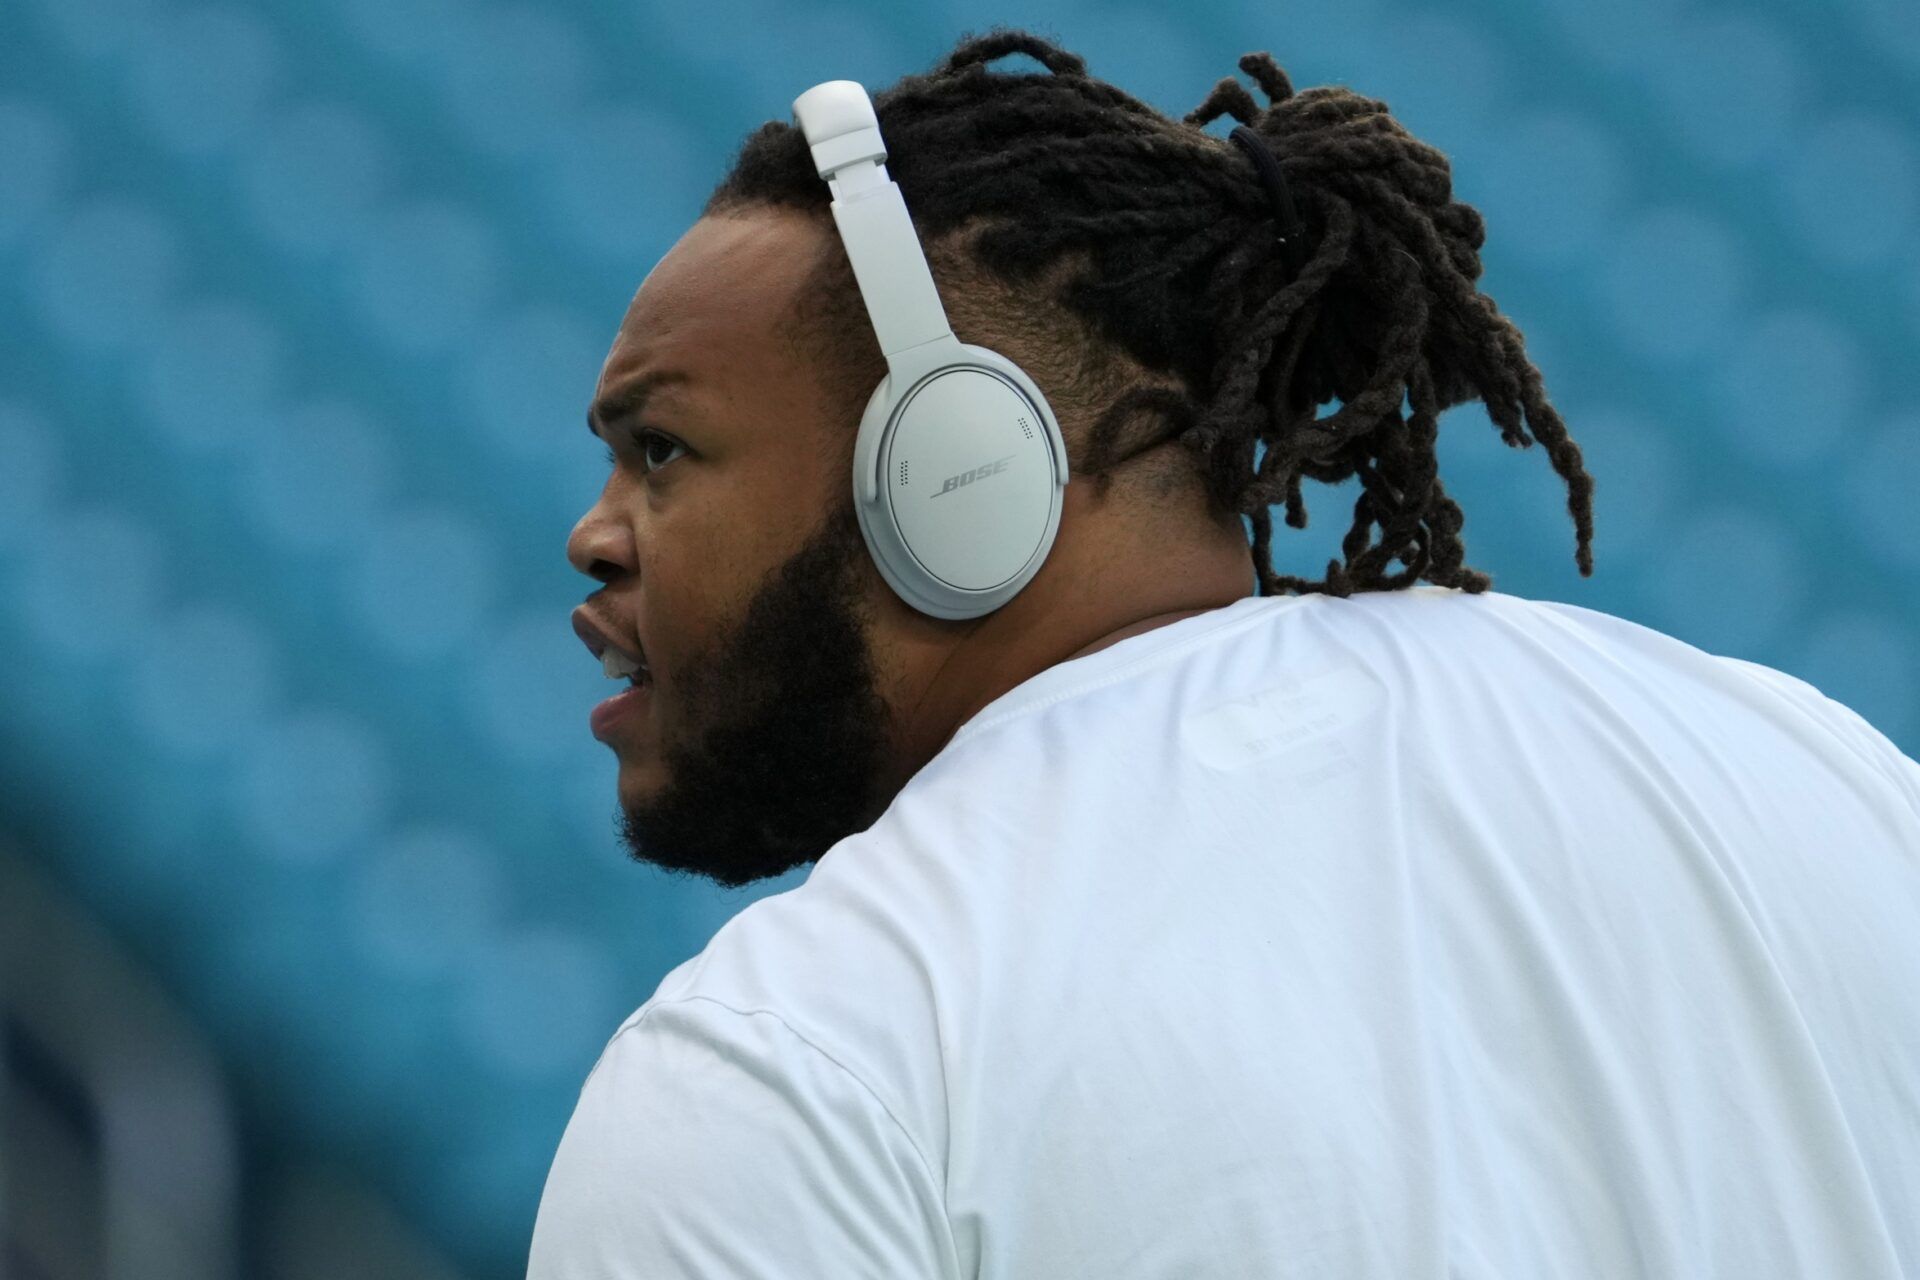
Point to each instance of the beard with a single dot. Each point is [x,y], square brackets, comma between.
[786,732]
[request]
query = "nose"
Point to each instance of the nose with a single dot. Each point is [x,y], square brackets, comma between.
[601,546]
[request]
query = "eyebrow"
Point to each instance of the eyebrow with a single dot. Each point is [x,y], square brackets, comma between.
[630,400]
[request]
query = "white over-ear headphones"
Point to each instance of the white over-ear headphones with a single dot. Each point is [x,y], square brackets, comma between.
[959,466]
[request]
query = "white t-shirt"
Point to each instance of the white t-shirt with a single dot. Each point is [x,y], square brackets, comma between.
[1419,935]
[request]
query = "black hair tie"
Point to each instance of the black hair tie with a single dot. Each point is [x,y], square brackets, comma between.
[1292,237]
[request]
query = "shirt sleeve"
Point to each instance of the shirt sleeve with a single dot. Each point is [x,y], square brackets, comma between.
[712,1143]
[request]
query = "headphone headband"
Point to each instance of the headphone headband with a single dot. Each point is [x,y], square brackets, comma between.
[844,135]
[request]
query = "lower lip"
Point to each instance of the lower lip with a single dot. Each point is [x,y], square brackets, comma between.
[618,708]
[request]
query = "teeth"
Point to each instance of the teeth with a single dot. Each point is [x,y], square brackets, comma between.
[617,665]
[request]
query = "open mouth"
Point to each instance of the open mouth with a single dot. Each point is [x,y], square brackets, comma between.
[619,666]
[621,705]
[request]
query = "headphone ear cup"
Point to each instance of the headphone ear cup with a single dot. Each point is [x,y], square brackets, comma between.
[957,484]
[968,499]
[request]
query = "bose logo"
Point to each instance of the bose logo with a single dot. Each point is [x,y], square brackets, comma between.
[978,473]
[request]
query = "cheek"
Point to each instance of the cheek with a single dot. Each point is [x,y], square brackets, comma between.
[695,577]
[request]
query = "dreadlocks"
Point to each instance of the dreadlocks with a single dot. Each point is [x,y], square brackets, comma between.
[1156,240]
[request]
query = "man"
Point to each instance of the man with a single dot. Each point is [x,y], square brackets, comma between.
[1162,928]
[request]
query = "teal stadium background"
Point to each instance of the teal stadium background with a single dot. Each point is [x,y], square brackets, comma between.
[300,308]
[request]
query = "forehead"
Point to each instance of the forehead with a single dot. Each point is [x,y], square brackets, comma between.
[712,306]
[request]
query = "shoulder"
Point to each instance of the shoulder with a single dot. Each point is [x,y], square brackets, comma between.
[716,1140]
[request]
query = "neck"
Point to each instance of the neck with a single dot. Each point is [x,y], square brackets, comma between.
[1079,603]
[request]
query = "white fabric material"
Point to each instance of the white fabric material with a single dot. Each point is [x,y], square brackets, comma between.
[1413,935]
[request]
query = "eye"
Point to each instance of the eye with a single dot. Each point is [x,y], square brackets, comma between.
[645,438]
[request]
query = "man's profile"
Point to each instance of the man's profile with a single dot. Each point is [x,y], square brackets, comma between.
[1179,917]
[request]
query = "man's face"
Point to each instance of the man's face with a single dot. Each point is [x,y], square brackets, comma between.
[730,554]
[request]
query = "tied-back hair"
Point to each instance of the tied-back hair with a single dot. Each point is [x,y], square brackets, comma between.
[1183,273]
